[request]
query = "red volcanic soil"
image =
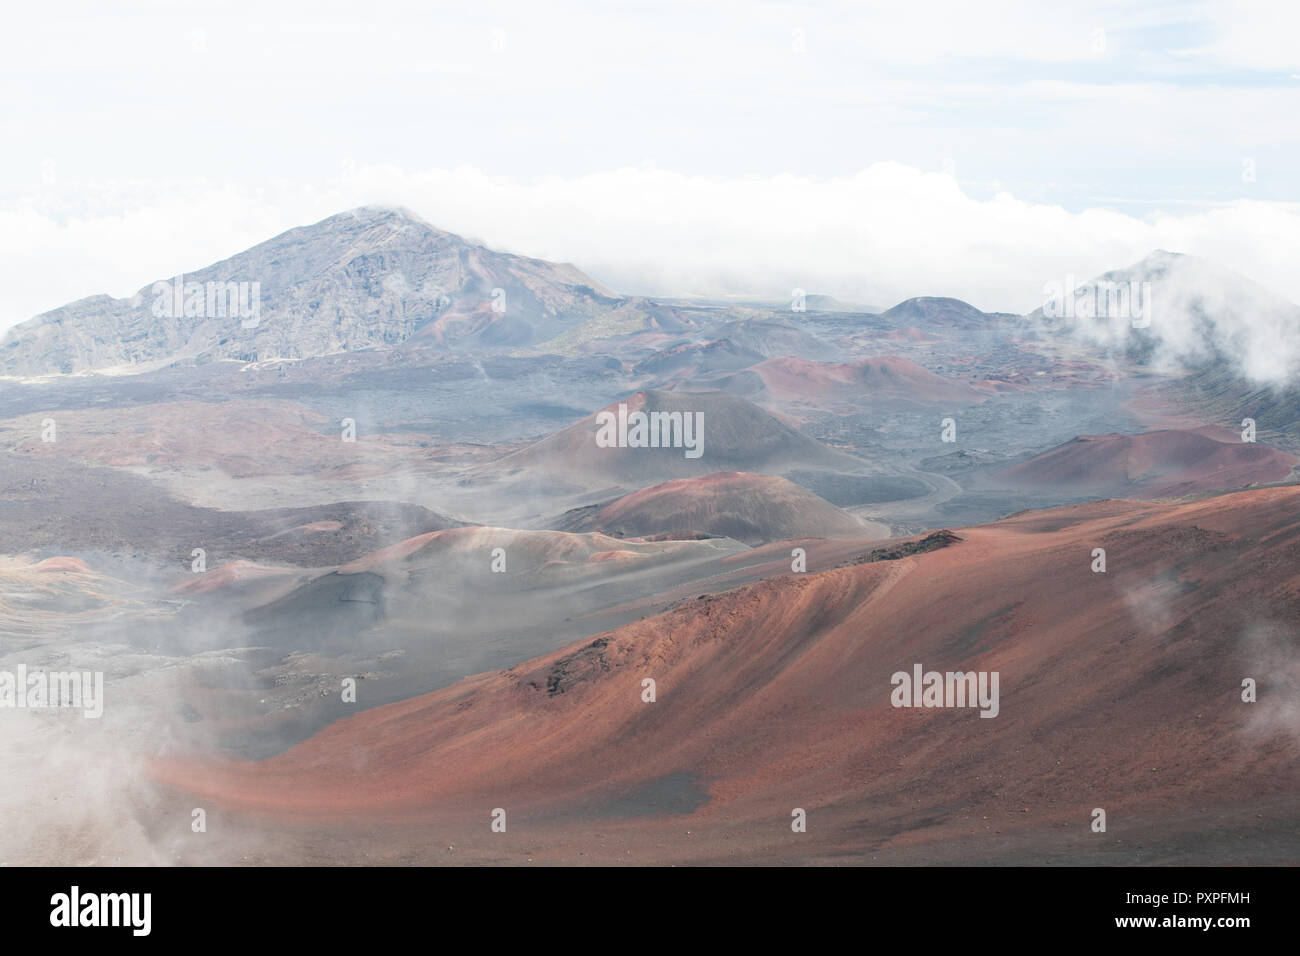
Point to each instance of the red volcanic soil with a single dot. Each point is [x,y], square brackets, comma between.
[754,509]
[238,438]
[526,549]
[737,436]
[1159,464]
[75,565]
[607,557]
[234,574]
[794,379]
[1119,690]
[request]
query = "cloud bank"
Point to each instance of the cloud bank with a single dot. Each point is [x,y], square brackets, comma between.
[884,234]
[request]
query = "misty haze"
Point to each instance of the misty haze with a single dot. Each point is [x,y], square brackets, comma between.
[665,496]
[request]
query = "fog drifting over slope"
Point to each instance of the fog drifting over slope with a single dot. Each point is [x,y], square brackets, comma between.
[1183,311]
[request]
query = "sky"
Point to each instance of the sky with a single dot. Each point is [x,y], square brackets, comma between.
[871,151]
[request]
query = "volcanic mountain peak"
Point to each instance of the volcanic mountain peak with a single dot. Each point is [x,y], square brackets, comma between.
[373,277]
[883,376]
[751,508]
[1184,308]
[732,434]
[1162,257]
[938,311]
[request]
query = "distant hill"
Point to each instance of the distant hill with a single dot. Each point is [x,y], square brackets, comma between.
[694,358]
[1151,465]
[930,312]
[769,337]
[1219,392]
[754,509]
[880,377]
[1180,310]
[369,278]
[737,436]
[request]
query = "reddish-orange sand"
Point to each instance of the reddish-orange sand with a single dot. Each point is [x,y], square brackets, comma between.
[748,507]
[737,434]
[794,379]
[228,575]
[1119,690]
[1157,464]
[532,548]
[61,563]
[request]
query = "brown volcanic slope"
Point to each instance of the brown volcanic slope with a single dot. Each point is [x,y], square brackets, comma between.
[1152,465]
[939,312]
[238,439]
[50,503]
[45,601]
[452,595]
[1118,690]
[883,377]
[754,509]
[529,551]
[738,436]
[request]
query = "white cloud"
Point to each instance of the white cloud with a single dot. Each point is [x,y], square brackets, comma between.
[882,235]
[1251,34]
[162,138]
